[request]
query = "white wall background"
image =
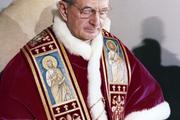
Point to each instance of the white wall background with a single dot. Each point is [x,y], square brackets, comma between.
[4,4]
[133,20]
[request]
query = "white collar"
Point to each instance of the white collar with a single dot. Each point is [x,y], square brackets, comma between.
[71,43]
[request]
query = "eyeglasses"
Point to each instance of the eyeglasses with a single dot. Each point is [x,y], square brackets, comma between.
[86,12]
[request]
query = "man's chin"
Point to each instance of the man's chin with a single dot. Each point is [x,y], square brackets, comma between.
[91,37]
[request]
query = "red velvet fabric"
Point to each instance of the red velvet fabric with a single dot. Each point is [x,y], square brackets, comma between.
[19,98]
[144,91]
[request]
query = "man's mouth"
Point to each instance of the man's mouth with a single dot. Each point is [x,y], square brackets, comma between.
[91,30]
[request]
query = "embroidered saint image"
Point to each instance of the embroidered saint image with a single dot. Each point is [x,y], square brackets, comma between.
[117,107]
[117,65]
[56,80]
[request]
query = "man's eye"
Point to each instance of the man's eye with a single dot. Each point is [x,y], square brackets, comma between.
[86,11]
[104,12]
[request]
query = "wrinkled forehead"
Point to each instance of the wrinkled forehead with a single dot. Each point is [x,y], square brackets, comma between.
[96,4]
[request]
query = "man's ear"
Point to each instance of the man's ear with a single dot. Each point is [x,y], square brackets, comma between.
[62,9]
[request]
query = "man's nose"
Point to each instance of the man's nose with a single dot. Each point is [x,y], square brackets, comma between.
[95,19]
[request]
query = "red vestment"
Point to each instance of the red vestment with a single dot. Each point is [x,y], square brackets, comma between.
[20,99]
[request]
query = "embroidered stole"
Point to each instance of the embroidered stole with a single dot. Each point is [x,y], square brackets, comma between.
[57,84]
[117,74]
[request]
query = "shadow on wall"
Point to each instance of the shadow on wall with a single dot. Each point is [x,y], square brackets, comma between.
[149,53]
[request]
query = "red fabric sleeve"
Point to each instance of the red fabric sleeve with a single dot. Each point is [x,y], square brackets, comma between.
[144,92]
[19,98]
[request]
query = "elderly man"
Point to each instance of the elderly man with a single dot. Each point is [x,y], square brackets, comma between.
[80,49]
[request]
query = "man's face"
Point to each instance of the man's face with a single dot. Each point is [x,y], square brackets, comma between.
[86,28]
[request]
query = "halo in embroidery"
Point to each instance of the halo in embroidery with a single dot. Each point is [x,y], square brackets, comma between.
[49,60]
[111,45]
